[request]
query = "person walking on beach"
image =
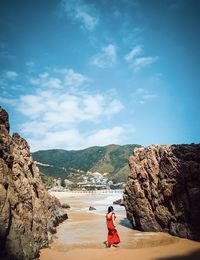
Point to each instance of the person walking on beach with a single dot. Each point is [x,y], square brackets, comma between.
[113,237]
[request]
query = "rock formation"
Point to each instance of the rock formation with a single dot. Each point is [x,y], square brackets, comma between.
[28,214]
[163,190]
[92,208]
[65,205]
[119,202]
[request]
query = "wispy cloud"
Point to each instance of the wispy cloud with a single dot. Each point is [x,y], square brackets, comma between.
[134,52]
[72,78]
[11,74]
[61,78]
[7,101]
[45,80]
[88,21]
[137,61]
[143,61]
[81,12]
[106,57]
[144,95]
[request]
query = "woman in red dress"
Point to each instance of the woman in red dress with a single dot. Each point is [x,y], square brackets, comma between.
[113,237]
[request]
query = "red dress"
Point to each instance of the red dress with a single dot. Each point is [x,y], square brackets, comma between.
[113,237]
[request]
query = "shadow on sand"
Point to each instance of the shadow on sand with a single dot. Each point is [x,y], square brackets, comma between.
[195,255]
[126,223]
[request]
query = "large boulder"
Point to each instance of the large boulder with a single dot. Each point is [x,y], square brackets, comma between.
[28,214]
[163,190]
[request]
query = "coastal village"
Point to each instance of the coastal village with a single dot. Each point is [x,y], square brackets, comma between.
[81,180]
[91,181]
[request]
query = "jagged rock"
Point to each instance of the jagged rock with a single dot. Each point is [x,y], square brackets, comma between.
[28,214]
[163,190]
[91,208]
[118,202]
[65,206]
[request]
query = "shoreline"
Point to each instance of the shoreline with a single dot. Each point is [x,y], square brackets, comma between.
[83,234]
[62,193]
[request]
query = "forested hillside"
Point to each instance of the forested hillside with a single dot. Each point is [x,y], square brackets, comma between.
[111,159]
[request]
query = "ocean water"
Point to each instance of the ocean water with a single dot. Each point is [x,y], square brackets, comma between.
[102,204]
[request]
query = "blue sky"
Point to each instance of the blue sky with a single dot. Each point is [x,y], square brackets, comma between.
[75,74]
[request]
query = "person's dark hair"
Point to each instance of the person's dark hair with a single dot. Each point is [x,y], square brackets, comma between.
[110,208]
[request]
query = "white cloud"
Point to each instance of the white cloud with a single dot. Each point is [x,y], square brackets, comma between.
[143,61]
[58,108]
[72,78]
[54,119]
[31,105]
[81,12]
[106,58]
[114,107]
[68,139]
[73,139]
[11,74]
[93,107]
[62,78]
[88,21]
[34,128]
[55,116]
[134,57]
[44,80]
[134,52]
[105,136]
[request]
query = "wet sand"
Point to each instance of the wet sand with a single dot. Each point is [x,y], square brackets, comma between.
[83,234]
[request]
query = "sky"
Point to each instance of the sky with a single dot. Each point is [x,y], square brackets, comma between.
[81,73]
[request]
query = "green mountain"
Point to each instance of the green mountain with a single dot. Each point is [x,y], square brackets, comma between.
[111,159]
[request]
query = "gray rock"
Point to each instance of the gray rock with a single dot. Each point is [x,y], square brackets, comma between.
[91,208]
[65,206]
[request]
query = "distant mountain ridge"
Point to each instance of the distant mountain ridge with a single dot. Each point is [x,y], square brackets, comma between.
[111,159]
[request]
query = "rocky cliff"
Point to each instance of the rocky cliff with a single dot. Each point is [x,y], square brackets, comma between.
[28,214]
[163,190]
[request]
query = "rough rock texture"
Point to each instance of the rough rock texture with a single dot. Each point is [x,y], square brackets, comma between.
[163,190]
[28,214]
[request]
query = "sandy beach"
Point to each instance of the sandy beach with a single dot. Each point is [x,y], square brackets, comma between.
[83,234]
